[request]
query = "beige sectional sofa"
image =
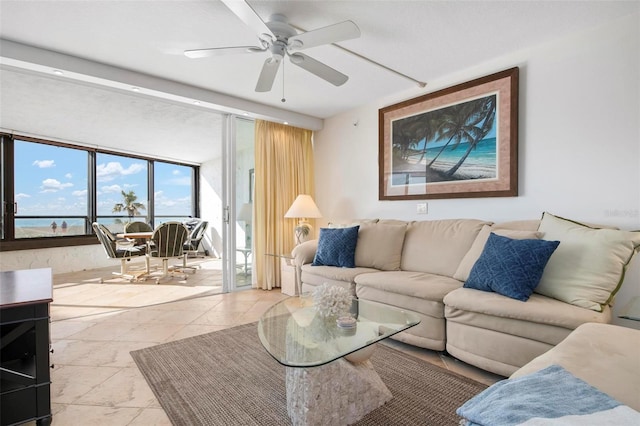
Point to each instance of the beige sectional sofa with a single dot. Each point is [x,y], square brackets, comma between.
[422,266]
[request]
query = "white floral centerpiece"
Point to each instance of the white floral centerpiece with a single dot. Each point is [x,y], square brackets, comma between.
[331,301]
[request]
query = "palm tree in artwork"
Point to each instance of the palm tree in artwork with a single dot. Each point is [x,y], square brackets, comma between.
[458,124]
[129,205]
[487,112]
[404,137]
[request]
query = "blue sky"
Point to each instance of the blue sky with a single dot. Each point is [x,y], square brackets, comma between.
[51,180]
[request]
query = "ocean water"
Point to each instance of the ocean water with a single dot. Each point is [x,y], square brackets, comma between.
[483,154]
[40,222]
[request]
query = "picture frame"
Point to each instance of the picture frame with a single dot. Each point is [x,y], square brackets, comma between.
[458,142]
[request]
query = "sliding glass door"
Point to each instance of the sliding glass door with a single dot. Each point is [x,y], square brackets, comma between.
[244,186]
[237,205]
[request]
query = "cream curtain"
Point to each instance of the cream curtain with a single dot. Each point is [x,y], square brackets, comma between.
[283,169]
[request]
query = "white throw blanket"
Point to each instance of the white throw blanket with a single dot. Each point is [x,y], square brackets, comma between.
[552,396]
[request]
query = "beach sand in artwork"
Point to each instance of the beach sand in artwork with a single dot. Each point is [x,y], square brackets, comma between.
[436,172]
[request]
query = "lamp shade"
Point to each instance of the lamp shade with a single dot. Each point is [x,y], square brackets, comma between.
[303,207]
[245,214]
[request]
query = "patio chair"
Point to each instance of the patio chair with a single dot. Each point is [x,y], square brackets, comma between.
[141,243]
[169,239]
[117,249]
[191,246]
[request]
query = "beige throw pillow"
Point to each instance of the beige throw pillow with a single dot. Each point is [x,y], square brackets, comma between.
[462,273]
[380,246]
[588,267]
[438,246]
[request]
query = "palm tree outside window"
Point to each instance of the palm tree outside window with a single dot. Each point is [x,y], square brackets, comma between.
[129,205]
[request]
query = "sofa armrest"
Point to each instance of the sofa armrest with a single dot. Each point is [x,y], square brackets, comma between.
[305,252]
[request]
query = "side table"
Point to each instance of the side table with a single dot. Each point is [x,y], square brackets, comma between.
[289,280]
[25,393]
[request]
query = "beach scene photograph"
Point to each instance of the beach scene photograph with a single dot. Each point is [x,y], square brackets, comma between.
[451,144]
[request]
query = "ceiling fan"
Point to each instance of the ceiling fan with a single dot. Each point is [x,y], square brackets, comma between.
[281,39]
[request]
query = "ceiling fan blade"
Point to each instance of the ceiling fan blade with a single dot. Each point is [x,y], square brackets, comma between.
[323,71]
[267,75]
[217,51]
[249,16]
[332,34]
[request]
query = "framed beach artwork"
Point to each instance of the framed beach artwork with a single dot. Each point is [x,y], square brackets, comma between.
[458,142]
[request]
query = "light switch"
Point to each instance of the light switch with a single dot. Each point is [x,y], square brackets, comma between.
[422,208]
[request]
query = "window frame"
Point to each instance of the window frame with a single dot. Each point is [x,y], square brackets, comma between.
[8,242]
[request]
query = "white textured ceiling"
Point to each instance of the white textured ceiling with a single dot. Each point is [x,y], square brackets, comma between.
[84,114]
[423,39]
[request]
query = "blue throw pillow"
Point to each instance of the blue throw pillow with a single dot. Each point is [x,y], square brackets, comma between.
[511,267]
[337,247]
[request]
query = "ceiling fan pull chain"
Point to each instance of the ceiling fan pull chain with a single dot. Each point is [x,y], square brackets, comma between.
[283,98]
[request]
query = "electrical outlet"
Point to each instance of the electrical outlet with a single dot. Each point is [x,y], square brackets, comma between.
[422,208]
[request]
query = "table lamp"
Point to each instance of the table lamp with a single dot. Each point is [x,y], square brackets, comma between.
[303,208]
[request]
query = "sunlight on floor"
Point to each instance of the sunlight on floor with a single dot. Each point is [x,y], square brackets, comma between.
[94,327]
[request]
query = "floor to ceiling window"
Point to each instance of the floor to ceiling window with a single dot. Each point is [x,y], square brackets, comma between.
[174,187]
[52,192]
[121,190]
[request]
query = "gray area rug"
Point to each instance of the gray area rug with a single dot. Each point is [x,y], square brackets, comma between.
[228,378]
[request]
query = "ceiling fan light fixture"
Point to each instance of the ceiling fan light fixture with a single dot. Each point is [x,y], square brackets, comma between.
[296,44]
[296,59]
[266,39]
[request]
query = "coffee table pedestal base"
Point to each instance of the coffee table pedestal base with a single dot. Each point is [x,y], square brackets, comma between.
[338,393]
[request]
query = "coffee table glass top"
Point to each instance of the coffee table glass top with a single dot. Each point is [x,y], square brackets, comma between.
[295,334]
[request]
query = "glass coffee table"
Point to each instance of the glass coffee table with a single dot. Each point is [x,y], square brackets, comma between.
[329,378]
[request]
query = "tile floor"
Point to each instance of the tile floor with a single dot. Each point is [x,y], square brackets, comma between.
[94,327]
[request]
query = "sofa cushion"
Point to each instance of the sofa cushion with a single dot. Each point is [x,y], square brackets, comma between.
[510,267]
[599,354]
[317,275]
[350,223]
[518,225]
[588,267]
[469,259]
[486,310]
[380,246]
[337,247]
[438,246]
[422,286]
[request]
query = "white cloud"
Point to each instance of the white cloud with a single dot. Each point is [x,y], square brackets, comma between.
[111,188]
[22,195]
[166,202]
[53,185]
[112,170]
[44,164]
[81,193]
[176,172]
[182,181]
[68,175]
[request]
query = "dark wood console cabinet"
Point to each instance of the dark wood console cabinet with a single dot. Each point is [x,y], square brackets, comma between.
[24,346]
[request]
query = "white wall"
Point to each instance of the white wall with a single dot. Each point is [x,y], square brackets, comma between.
[59,259]
[579,141]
